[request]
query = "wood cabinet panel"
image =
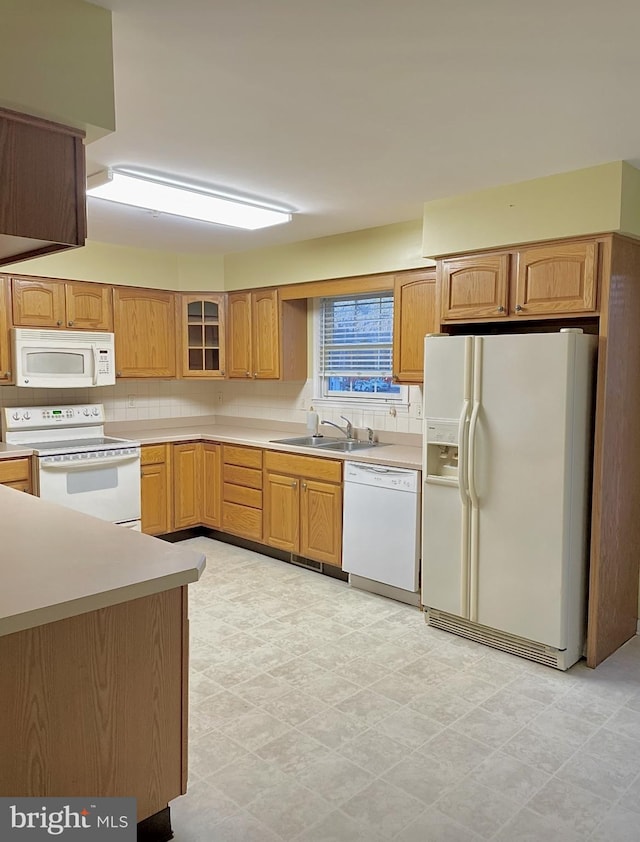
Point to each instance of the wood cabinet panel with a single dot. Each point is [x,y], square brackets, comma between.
[414,316]
[186,464]
[202,335]
[249,477]
[248,457]
[88,306]
[22,485]
[281,512]
[474,287]
[145,336]
[211,484]
[42,172]
[321,522]
[38,303]
[265,338]
[6,374]
[242,520]
[240,355]
[556,279]
[155,490]
[313,467]
[15,470]
[242,495]
[111,715]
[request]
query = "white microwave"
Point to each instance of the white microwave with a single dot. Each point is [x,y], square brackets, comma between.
[55,359]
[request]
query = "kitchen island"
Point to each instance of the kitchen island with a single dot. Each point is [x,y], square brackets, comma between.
[94,659]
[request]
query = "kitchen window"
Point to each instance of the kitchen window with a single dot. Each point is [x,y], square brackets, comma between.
[354,349]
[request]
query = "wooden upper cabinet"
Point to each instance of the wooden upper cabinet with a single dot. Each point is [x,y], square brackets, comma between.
[88,306]
[240,357]
[267,337]
[5,345]
[474,287]
[61,304]
[202,335]
[414,315]
[42,187]
[145,335]
[556,279]
[38,303]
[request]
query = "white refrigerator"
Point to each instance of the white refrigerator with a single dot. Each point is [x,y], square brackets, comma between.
[506,469]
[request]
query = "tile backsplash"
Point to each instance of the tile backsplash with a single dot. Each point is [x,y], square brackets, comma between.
[138,400]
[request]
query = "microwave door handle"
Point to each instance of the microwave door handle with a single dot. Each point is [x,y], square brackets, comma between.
[94,348]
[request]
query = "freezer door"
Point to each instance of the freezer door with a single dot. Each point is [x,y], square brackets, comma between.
[528,467]
[445,543]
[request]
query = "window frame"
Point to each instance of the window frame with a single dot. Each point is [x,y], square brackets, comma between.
[363,400]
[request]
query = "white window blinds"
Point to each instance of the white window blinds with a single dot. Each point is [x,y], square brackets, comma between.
[357,335]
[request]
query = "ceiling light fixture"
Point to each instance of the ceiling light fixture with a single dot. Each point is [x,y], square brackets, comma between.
[178,199]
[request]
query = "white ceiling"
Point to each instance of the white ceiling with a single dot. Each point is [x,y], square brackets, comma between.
[354,112]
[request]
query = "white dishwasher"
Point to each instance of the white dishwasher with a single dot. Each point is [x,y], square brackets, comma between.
[381,529]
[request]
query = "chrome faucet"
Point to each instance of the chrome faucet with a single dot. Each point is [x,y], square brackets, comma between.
[347,429]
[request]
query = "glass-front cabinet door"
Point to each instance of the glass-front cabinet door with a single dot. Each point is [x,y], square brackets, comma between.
[203,335]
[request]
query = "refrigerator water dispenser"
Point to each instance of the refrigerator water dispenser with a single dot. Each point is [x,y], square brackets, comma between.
[442,449]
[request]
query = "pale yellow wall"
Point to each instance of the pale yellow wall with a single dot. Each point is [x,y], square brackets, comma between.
[57,62]
[384,249]
[570,204]
[630,207]
[112,264]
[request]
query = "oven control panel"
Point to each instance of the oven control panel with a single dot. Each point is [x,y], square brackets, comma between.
[46,417]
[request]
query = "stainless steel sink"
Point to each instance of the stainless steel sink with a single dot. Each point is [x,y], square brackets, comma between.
[307,441]
[348,446]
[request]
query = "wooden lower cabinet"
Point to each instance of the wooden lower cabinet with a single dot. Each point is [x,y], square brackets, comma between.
[16,473]
[98,703]
[155,489]
[242,491]
[303,506]
[211,500]
[186,460]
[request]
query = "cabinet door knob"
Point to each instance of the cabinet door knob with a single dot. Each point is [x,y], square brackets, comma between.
[222,372]
[70,324]
[395,378]
[255,374]
[501,309]
[118,374]
[59,323]
[294,484]
[6,375]
[248,374]
[519,308]
[304,486]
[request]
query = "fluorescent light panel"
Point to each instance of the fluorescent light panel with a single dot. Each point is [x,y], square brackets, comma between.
[164,197]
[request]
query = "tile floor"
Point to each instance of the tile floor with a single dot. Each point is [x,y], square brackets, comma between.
[324,714]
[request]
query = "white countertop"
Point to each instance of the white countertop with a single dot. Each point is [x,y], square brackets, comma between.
[57,563]
[397,455]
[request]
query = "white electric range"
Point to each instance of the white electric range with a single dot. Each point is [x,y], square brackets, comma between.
[76,465]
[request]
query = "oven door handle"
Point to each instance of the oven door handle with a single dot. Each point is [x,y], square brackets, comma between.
[86,463]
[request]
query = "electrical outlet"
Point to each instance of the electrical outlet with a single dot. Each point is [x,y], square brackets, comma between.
[219,398]
[418,410]
[131,401]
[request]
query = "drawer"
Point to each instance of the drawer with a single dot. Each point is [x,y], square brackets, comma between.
[250,477]
[239,494]
[14,470]
[312,467]
[242,520]
[248,457]
[21,485]
[152,454]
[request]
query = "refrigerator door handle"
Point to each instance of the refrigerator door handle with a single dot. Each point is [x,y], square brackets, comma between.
[462,455]
[473,491]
